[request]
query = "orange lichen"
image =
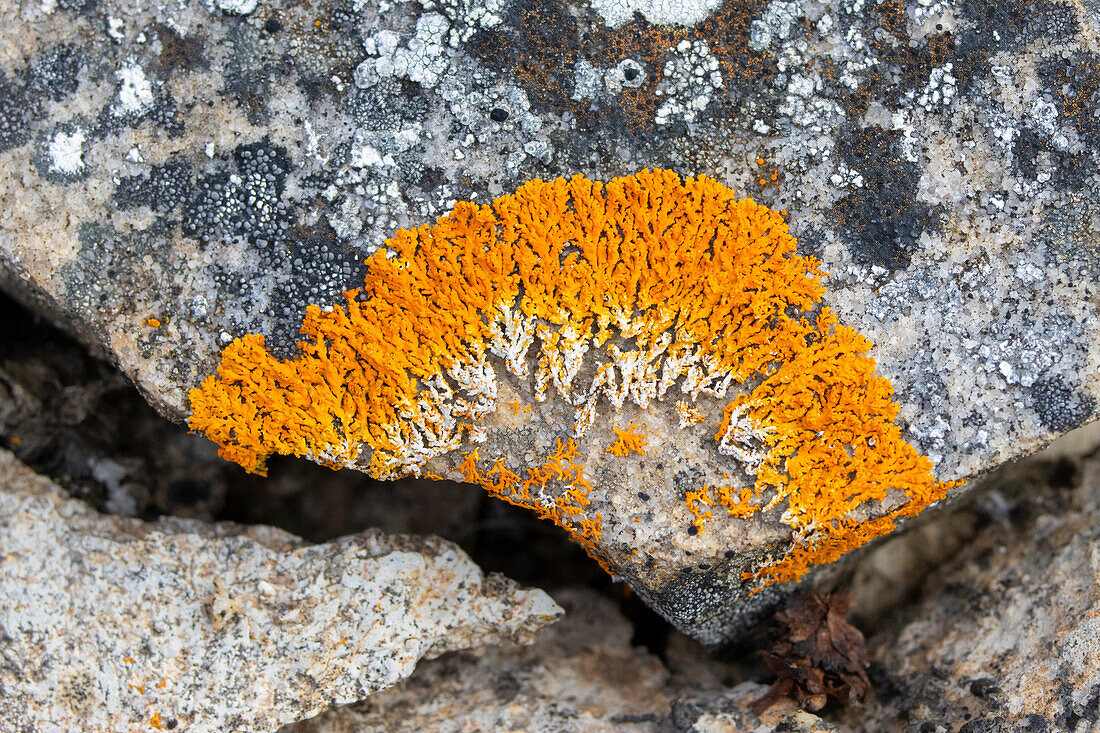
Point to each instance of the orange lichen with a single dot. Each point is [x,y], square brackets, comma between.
[152,322]
[824,423]
[629,441]
[700,281]
[688,414]
[567,509]
[652,281]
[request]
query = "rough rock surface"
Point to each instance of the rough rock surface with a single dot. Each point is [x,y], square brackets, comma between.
[177,175]
[115,624]
[1007,635]
[76,419]
[581,675]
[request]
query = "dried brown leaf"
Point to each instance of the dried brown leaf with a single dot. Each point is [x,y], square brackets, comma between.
[817,655]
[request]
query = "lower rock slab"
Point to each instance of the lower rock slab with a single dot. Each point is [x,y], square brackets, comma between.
[111,624]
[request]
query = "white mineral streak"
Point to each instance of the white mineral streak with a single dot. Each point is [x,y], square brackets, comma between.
[659,12]
[741,436]
[450,405]
[135,93]
[66,153]
[113,624]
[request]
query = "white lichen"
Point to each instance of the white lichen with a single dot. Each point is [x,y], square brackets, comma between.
[690,78]
[135,93]
[658,12]
[66,153]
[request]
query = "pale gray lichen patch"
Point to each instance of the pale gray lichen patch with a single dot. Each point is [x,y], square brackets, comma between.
[689,80]
[660,12]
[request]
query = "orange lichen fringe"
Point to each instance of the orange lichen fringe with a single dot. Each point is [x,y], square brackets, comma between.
[628,442]
[819,434]
[739,506]
[650,282]
[567,510]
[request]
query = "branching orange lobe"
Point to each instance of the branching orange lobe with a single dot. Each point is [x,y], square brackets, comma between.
[708,291]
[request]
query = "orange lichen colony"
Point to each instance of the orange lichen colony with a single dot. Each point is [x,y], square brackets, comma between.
[629,441]
[650,282]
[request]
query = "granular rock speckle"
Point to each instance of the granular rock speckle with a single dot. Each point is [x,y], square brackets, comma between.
[224,165]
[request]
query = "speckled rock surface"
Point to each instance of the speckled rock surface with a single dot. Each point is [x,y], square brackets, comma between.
[581,675]
[214,167]
[114,624]
[1007,635]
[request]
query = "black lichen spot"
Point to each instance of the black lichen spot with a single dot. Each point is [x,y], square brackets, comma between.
[272,26]
[1073,712]
[991,723]
[1033,723]
[1006,25]
[994,24]
[1075,83]
[1053,20]
[687,480]
[166,187]
[548,34]
[166,115]
[498,114]
[1060,407]
[247,76]
[882,220]
[430,179]
[245,202]
[107,255]
[905,67]
[54,73]
[178,53]
[493,48]
[320,269]
[14,122]
[1033,153]
[161,110]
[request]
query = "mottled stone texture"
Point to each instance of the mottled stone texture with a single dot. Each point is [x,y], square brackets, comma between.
[1006,636]
[110,624]
[216,168]
[581,675]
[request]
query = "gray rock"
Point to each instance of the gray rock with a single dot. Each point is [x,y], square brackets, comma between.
[580,675]
[216,168]
[1006,636]
[110,623]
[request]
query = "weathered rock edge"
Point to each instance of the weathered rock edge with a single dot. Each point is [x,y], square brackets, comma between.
[111,624]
